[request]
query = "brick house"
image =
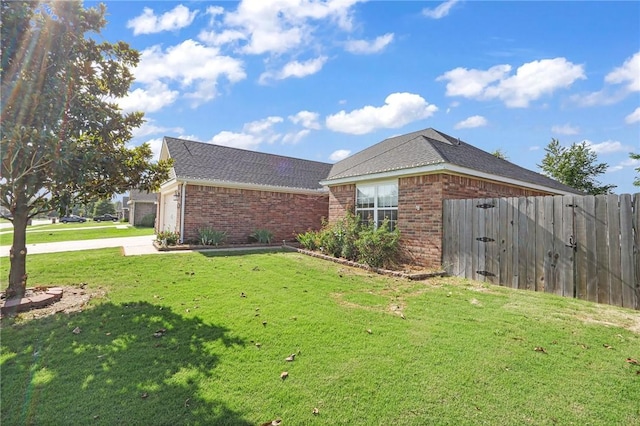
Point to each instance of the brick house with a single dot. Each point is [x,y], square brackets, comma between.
[239,191]
[407,177]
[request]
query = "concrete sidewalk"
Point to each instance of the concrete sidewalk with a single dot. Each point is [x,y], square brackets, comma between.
[132,246]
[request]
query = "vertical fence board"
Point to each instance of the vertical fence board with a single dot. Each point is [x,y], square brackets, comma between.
[602,249]
[540,253]
[613,228]
[567,252]
[449,235]
[467,238]
[523,241]
[549,261]
[580,254]
[636,245]
[626,251]
[493,253]
[510,279]
[530,283]
[503,235]
[590,247]
[558,245]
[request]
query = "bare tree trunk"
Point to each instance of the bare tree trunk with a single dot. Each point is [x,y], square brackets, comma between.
[18,252]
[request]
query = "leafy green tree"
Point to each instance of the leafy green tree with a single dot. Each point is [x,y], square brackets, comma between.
[104,207]
[500,154]
[64,138]
[576,166]
[633,156]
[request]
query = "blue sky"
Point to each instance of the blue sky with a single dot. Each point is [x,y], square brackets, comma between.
[324,79]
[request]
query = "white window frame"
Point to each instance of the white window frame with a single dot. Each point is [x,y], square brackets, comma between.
[376,208]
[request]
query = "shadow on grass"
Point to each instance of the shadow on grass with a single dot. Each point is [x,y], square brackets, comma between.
[243,252]
[134,364]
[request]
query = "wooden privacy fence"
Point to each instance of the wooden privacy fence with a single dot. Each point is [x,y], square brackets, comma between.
[576,246]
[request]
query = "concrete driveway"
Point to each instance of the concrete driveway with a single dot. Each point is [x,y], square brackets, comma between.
[132,246]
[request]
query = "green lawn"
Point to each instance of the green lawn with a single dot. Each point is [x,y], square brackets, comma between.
[58,232]
[464,354]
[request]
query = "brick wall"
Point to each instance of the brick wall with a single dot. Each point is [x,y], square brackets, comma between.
[420,200]
[239,212]
[140,210]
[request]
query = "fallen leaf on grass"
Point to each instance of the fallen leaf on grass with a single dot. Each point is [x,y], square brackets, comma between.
[275,422]
[290,358]
[284,375]
[316,411]
[633,361]
[144,395]
[264,323]
[76,330]
[242,294]
[186,402]
[258,344]
[607,346]
[160,332]
[540,349]
[369,331]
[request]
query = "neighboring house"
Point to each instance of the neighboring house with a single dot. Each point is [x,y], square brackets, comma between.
[141,204]
[239,191]
[124,213]
[406,178]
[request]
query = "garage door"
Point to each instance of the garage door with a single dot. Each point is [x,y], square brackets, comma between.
[169,214]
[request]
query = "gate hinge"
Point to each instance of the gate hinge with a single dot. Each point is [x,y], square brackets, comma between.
[486,273]
[485,206]
[485,239]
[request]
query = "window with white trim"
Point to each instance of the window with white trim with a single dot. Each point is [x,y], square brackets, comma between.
[375,202]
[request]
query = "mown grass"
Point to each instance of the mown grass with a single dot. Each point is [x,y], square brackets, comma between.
[74,232]
[464,354]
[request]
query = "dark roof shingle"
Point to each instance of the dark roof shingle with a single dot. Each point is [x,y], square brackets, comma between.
[431,147]
[209,162]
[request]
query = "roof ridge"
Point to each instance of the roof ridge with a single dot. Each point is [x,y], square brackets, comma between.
[243,150]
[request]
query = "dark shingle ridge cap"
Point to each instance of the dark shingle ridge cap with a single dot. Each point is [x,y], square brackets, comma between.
[231,148]
[409,137]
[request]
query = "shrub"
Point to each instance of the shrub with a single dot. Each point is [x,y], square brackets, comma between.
[309,240]
[208,236]
[168,238]
[263,236]
[339,238]
[148,220]
[379,246]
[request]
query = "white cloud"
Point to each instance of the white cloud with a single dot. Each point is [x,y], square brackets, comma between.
[149,23]
[565,129]
[308,119]
[149,128]
[213,38]
[531,81]
[282,25]
[153,97]
[629,162]
[634,117]
[534,148]
[399,109]
[628,73]
[607,147]
[441,11]
[471,122]
[340,154]
[365,47]
[196,68]
[253,134]
[295,69]
[295,137]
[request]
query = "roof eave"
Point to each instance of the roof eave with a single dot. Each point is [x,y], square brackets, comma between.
[249,186]
[442,167]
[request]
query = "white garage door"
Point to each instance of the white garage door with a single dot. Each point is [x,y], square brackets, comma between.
[169,214]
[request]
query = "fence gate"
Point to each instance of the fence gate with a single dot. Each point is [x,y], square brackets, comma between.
[574,246]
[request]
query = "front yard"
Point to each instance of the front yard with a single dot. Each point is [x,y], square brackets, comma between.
[202,339]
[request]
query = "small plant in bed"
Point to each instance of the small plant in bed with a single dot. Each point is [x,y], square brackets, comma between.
[262,236]
[207,236]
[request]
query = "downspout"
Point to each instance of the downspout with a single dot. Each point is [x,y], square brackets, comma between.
[183,194]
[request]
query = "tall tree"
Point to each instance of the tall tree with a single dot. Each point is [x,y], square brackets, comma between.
[634,156]
[104,207]
[63,137]
[576,166]
[500,154]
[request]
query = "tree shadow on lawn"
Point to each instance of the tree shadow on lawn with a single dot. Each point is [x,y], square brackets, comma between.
[133,364]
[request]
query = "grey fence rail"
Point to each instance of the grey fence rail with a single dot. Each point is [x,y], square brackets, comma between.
[586,247]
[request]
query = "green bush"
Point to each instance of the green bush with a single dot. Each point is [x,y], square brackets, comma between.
[309,240]
[379,246]
[263,236]
[208,236]
[148,220]
[338,239]
[168,238]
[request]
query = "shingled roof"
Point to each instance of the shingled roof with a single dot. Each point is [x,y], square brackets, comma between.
[430,147]
[198,161]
